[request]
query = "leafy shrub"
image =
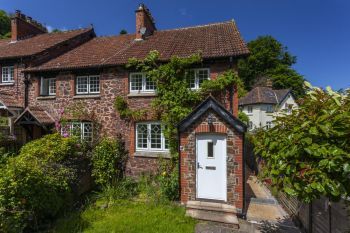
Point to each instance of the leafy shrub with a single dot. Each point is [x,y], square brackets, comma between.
[34,186]
[169,180]
[307,153]
[108,161]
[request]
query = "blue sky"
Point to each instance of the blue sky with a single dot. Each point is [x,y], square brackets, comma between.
[316,31]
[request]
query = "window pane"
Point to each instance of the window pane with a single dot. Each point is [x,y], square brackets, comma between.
[75,129]
[82,85]
[156,136]
[202,76]
[210,150]
[88,129]
[141,136]
[150,85]
[12,73]
[52,86]
[94,84]
[190,76]
[136,82]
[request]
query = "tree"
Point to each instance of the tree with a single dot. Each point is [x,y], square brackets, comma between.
[307,153]
[5,25]
[123,32]
[268,57]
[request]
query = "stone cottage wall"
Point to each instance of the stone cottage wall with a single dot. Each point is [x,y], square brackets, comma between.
[113,82]
[234,159]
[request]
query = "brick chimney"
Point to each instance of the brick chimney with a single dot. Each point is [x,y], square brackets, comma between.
[23,26]
[145,25]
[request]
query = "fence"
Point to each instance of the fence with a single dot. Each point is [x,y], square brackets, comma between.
[321,216]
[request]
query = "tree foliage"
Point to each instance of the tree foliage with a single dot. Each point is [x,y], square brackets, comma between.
[268,57]
[307,153]
[5,25]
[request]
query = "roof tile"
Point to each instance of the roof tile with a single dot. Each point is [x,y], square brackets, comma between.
[212,41]
[264,95]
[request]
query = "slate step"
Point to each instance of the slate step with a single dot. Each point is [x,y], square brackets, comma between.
[214,216]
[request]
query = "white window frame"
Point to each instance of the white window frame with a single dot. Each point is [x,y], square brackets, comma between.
[149,149]
[269,107]
[249,109]
[143,84]
[196,77]
[51,86]
[88,77]
[10,74]
[70,127]
[250,125]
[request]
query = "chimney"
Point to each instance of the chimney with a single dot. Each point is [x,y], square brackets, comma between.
[23,26]
[263,81]
[145,25]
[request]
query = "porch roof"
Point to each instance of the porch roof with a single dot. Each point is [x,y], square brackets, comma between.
[212,104]
[8,101]
[35,115]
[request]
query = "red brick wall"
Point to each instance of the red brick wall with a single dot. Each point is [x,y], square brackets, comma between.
[234,160]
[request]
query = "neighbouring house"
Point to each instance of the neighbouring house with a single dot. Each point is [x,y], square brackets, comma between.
[90,76]
[30,44]
[263,103]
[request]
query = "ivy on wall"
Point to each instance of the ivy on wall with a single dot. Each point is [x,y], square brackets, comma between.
[174,100]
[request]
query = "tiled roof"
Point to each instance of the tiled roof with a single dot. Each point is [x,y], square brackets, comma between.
[9,100]
[35,44]
[212,41]
[41,116]
[264,95]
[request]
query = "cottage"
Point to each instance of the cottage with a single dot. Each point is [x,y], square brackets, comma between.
[89,77]
[262,104]
[30,44]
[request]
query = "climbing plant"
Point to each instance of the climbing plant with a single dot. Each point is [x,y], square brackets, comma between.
[174,100]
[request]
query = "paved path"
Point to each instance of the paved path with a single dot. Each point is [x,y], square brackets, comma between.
[264,214]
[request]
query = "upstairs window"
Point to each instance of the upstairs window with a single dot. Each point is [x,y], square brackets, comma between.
[48,86]
[150,137]
[88,84]
[269,108]
[250,109]
[83,130]
[7,74]
[196,77]
[139,83]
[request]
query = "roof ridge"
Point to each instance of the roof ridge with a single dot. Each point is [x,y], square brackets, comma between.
[198,26]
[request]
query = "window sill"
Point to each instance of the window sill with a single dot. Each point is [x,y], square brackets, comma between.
[86,97]
[152,154]
[142,94]
[46,97]
[7,84]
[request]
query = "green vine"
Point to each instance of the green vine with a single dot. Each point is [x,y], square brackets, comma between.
[174,100]
[125,112]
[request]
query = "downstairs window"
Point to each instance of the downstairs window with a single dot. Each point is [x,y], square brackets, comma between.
[150,137]
[83,130]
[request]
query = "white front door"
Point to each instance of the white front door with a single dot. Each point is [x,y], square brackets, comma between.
[211,166]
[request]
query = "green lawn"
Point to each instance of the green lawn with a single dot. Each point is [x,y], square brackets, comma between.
[128,216]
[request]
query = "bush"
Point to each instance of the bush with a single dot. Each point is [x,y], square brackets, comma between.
[34,186]
[169,180]
[307,153]
[108,161]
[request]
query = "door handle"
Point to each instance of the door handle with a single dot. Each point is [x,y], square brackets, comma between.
[199,166]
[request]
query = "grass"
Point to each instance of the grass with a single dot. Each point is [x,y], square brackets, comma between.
[128,217]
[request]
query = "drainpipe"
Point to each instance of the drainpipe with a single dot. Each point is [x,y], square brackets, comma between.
[26,90]
[179,161]
[244,211]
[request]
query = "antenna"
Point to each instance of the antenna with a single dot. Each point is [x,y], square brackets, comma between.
[143,30]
